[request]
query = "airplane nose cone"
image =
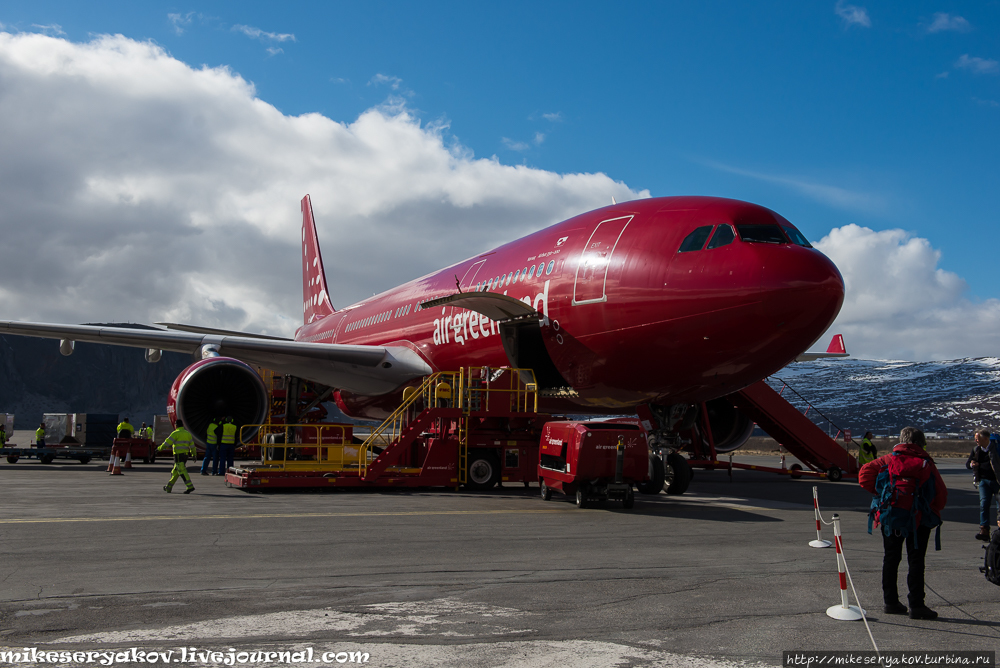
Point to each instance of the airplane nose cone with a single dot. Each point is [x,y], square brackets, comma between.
[802,292]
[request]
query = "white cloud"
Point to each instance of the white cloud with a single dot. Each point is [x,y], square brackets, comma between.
[274,50]
[257,33]
[852,14]
[555,118]
[539,138]
[977,65]
[515,145]
[947,23]
[53,29]
[386,80]
[180,21]
[900,305]
[136,187]
[835,196]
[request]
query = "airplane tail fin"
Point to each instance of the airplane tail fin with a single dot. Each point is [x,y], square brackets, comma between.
[837,346]
[315,296]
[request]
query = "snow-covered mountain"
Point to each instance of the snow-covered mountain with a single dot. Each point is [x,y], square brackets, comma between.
[955,396]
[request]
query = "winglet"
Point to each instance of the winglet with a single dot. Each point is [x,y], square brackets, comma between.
[315,296]
[837,345]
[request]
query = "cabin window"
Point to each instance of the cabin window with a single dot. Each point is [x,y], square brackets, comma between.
[541,268]
[524,274]
[723,236]
[531,272]
[509,276]
[548,269]
[696,240]
[762,234]
[796,236]
[517,275]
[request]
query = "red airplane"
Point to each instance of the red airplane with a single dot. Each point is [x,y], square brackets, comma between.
[651,306]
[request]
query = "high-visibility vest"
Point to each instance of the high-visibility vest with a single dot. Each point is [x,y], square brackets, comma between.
[180,440]
[3,437]
[228,433]
[145,432]
[210,436]
[125,426]
[40,433]
[866,452]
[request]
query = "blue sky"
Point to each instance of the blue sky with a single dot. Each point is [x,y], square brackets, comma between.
[877,114]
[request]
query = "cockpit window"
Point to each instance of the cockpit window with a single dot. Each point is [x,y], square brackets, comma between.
[696,240]
[762,234]
[796,236]
[723,235]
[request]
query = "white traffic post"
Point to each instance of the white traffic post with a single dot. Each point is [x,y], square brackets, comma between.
[845,612]
[819,542]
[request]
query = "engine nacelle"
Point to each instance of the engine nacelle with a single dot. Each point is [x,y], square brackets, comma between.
[730,428]
[218,387]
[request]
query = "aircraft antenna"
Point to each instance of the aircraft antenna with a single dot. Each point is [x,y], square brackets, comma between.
[613,201]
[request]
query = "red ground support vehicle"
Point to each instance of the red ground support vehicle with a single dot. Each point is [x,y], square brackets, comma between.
[592,460]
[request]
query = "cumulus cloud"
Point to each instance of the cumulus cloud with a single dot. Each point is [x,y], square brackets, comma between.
[557,117]
[137,188]
[515,145]
[852,15]
[900,305]
[53,29]
[977,65]
[947,23]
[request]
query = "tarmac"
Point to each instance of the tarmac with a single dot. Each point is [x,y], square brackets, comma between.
[721,576]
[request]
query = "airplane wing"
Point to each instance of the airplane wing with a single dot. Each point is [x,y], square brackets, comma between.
[223,332]
[367,370]
[835,349]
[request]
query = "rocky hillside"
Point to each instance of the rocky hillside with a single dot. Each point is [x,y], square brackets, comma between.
[35,378]
[953,397]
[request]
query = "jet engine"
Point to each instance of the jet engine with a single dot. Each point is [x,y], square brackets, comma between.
[218,387]
[730,428]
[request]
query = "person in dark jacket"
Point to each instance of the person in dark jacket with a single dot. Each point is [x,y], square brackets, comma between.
[911,454]
[984,460]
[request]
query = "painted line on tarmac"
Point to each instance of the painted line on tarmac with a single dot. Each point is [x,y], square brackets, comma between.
[416,513]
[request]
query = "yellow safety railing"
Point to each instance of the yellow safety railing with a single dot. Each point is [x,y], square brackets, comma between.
[470,389]
[325,455]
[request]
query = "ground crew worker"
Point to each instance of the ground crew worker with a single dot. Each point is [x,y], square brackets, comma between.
[124,429]
[211,460]
[3,435]
[145,432]
[227,450]
[40,436]
[868,452]
[182,442]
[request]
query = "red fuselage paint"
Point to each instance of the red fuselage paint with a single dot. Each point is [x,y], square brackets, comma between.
[627,318]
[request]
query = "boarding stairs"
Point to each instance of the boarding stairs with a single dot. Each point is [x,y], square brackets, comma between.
[793,430]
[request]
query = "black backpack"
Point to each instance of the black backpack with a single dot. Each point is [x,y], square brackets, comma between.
[991,562]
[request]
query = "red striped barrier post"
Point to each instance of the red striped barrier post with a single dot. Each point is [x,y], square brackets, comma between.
[843,611]
[819,542]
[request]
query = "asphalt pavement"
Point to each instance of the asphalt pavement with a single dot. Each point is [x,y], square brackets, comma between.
[720,576]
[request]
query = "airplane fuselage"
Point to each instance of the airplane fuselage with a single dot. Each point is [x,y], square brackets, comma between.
[625,315]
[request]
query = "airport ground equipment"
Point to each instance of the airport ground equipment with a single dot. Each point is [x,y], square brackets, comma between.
[49,454]
[792,429]
[592,461]
[94,430]
[140,449]
[476,427]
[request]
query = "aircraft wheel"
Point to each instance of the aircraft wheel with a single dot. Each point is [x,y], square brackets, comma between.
[834,474]
[47,459]
[84,460]
[581,500]
[655,484]
[795,471]
[546,492]
[629,500]
[484,471]
[12,459]
[678,474]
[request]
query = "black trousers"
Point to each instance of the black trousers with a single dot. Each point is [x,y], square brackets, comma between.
[915,555]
